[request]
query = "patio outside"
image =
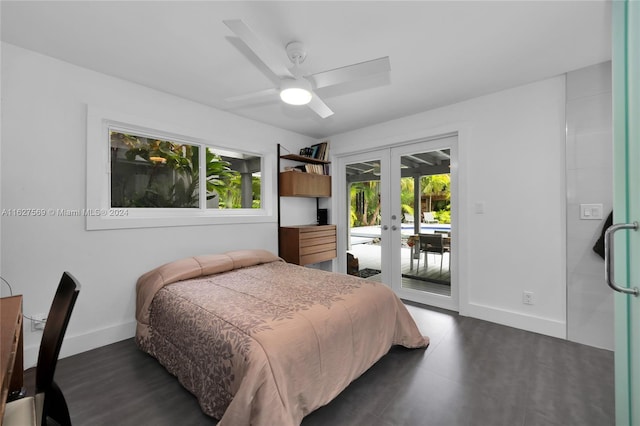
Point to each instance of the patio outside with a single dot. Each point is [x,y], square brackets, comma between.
[425,265]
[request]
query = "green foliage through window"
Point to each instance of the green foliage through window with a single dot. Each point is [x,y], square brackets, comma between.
[156,173]
[435,196]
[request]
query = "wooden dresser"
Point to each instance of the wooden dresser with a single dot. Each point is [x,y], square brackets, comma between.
[307,244]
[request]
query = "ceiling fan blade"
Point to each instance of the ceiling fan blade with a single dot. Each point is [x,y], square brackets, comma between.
[245,34]
[318,106]
[351,72]
[254,96]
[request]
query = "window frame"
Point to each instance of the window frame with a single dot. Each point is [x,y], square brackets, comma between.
[99,213]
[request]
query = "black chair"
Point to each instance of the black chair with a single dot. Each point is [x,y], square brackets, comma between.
[49,401]
[431,243]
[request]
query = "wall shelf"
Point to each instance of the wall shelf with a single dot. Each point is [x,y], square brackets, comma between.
[305,244]
[304,159]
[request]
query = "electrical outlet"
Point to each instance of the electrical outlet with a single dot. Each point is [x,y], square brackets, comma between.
[527,297]
[38,321]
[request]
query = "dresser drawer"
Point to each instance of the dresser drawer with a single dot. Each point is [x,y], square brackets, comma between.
[307,244]
[317,257]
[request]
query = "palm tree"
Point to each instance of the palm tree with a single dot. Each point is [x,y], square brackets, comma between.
[407,204]
[368,195]
[436,185]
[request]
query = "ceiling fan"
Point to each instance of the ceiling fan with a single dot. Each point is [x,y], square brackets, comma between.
[375,170]
[294,87]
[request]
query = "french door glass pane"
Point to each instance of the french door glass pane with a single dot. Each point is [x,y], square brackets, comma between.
[425,203]
[364,250]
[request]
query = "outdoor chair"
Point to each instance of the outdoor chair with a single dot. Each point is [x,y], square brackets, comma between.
[431,243]
[428,217]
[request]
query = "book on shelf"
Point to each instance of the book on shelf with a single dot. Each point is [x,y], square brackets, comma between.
[319,151]
[317,169]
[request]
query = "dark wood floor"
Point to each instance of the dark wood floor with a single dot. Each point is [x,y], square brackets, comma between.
[473,373]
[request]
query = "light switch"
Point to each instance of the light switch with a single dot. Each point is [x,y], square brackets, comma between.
[591,211]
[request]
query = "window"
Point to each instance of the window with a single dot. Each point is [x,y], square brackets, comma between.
[148,172]
[153,173]
[233,180]
[158,177]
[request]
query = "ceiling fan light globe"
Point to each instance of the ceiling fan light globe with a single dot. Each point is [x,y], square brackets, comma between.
[295,96]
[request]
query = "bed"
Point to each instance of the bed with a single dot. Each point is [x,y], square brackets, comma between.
[262,342]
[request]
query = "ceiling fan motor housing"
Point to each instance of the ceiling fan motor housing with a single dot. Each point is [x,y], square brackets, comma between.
[296,52]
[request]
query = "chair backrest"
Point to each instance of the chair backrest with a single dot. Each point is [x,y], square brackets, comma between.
[431,242]
[408,218]
[428,217]
[54,330]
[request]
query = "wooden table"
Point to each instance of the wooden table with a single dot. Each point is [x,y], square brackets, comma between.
[11,349]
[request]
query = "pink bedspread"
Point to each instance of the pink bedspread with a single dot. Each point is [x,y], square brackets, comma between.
[263,342]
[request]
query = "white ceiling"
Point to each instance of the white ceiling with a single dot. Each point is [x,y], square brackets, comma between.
[441,52]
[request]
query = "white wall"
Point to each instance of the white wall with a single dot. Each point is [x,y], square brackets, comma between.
[44,166]
[512,158]
[590,311]
[2,285]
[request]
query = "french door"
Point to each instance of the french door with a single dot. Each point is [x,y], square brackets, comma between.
[626,262]
[399,205]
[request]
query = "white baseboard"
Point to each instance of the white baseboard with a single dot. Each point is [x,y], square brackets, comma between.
[546,326]
[81,343]
[84,342]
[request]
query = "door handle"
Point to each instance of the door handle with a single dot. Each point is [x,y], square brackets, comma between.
[394,228]
[608,257]
[385,227]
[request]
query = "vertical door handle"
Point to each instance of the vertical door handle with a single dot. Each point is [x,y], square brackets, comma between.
[608,257]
